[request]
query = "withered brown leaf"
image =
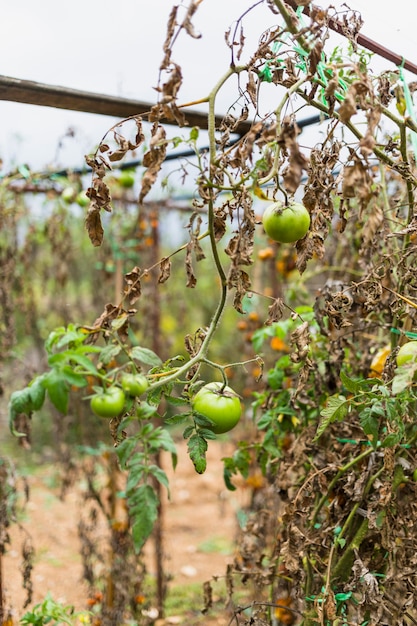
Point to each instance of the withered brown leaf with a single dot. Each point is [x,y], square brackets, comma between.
[165,269]
[275,311]
[153,159]
[133,289]
[93,225]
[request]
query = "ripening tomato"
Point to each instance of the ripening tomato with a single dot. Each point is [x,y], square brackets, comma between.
[221,406]
[110,403]
[286,224]
[134,384]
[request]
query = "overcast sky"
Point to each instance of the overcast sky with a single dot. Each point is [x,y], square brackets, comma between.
[116,50]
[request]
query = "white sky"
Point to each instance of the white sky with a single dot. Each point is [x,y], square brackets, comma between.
[116,49]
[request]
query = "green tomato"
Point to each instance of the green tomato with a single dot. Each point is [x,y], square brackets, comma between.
[82,200]
[110,403]
[286,224]
[126,179]
[407,352]
[222,408]
[68,194]
[134,384]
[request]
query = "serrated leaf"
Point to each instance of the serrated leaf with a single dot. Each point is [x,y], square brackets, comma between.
[160,476]
[175,420]
[37,394]
[391,440]
[144,355]
[197,448]
[370,424]
[143,509]
[125,449]
[145,411]
[57,389]
[108,353]
[78,380]
[20,401]
[227,477]
[85,362]
[136,473]
[188,431]
[351,385]
[336,410]
[403,379]
[164,440]
[207,433]
[176,401]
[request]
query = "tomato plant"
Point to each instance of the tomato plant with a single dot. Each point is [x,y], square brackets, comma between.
[220,405]
[134,384]
[286,224]
[110,403]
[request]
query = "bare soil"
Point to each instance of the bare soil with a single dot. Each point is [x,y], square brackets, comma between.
[199,531]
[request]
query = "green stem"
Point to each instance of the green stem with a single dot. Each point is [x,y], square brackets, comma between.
[202,354]
[274,170]
[333,482]
[343,566]
[291,24]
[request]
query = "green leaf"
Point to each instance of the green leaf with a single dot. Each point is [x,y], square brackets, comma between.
[176,401]
[207,433]
[194,133]
[78,380]
[160,476]
[188,431]
[143,509]
[353,386]
[136,473]
[197,448]
[177,419]
[391,440]
[403,378]
[58,390]
[162,439]
[336,410]
[370,424]
[145,411]
[37,393]
[125,449]
[227,477]
[108,353]
[20,401]
[84,361]
[144,355]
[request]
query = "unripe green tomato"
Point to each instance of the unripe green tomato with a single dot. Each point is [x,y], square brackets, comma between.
[68,194]
[110,403]
[126,179]
[407,352]
[221,407]
[286,224]
[82,200]
[134,384]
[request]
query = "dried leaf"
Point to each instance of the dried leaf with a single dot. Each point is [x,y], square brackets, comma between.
[153,159]
[133,290]
[165,269]
[191,279]
[93,225]
[275,311]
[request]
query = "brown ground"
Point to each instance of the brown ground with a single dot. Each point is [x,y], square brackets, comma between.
[199,530]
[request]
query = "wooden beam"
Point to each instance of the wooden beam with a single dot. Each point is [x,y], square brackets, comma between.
[40,94]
